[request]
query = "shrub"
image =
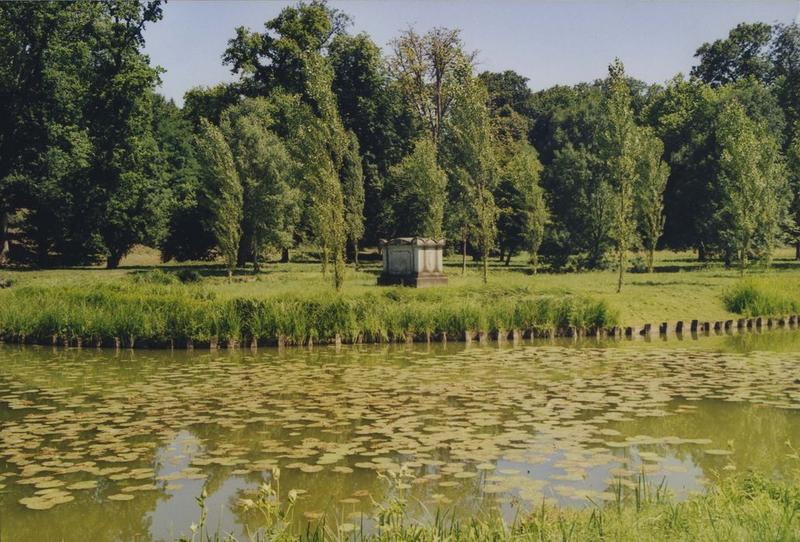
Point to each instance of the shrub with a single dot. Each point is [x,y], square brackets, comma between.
[188,276]
[154,276]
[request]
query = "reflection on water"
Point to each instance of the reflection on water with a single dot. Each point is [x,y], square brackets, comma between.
[106,446]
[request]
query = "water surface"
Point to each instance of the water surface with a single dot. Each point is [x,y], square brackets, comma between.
[104,445]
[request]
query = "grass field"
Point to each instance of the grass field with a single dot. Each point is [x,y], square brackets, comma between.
[680,288]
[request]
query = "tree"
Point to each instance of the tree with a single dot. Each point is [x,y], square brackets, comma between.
[371,106]
[685,117]
[352,176]
[566,130]
[521,203]
[581,204]
[508,89]
[744,53]
[426,69]
[509,104]
[793,171]
[45,149]
[209,103]
[754,186]
[785,58]
[126,199]
[324,157]
[420,192]
[222,190]
[186,237]
[653,173]
[470,157]
[288,59]
[270,209]
[276,58]
[620,140]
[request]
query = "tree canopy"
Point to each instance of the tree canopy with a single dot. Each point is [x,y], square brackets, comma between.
[333,143]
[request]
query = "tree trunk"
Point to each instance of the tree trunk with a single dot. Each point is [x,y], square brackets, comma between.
[797,250]
[338,268]
[650,257]
[535,262]
[42,253]
[114,258]
[285,255]
[4,248]
[464,255]
[743,259]
[508,258]
[355,253]
[701,252]
[502,255]
[621,270]
[256,265]
[485,264]
[245,252]
[230,276]
[324,261]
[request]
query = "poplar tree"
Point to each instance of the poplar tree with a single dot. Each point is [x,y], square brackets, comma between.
[653,173]
[325,149]
[223,191]
[352,174]
[793,170]
[619,147]
[754,186]
[521,203]
[470,158]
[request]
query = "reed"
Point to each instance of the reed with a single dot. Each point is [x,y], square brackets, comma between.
[158,312]
[762,297]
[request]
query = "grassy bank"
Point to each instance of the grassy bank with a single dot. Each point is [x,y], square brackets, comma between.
[157,312]
[748,507]
[144,302]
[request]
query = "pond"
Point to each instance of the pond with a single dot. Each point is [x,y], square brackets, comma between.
[104,445]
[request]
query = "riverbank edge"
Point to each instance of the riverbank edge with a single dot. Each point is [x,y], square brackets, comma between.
[678,329]
[748,506]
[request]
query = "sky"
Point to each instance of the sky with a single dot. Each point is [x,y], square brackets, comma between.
[549,42]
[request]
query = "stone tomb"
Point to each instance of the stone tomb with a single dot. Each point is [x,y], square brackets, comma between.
[412,261]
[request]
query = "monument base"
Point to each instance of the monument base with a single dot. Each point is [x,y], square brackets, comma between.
[421,280]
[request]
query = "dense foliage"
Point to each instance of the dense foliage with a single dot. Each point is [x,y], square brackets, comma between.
[334,144]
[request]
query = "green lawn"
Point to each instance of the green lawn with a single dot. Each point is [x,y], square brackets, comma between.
[681,287]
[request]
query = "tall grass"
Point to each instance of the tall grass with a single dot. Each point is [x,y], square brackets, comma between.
[163,313]
[762,297]
[748,507]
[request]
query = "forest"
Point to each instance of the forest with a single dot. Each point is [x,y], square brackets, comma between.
[325,140]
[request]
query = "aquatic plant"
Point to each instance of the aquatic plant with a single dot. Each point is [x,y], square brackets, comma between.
[749,507]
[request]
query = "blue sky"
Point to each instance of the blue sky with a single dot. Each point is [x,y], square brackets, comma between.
[550,42]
